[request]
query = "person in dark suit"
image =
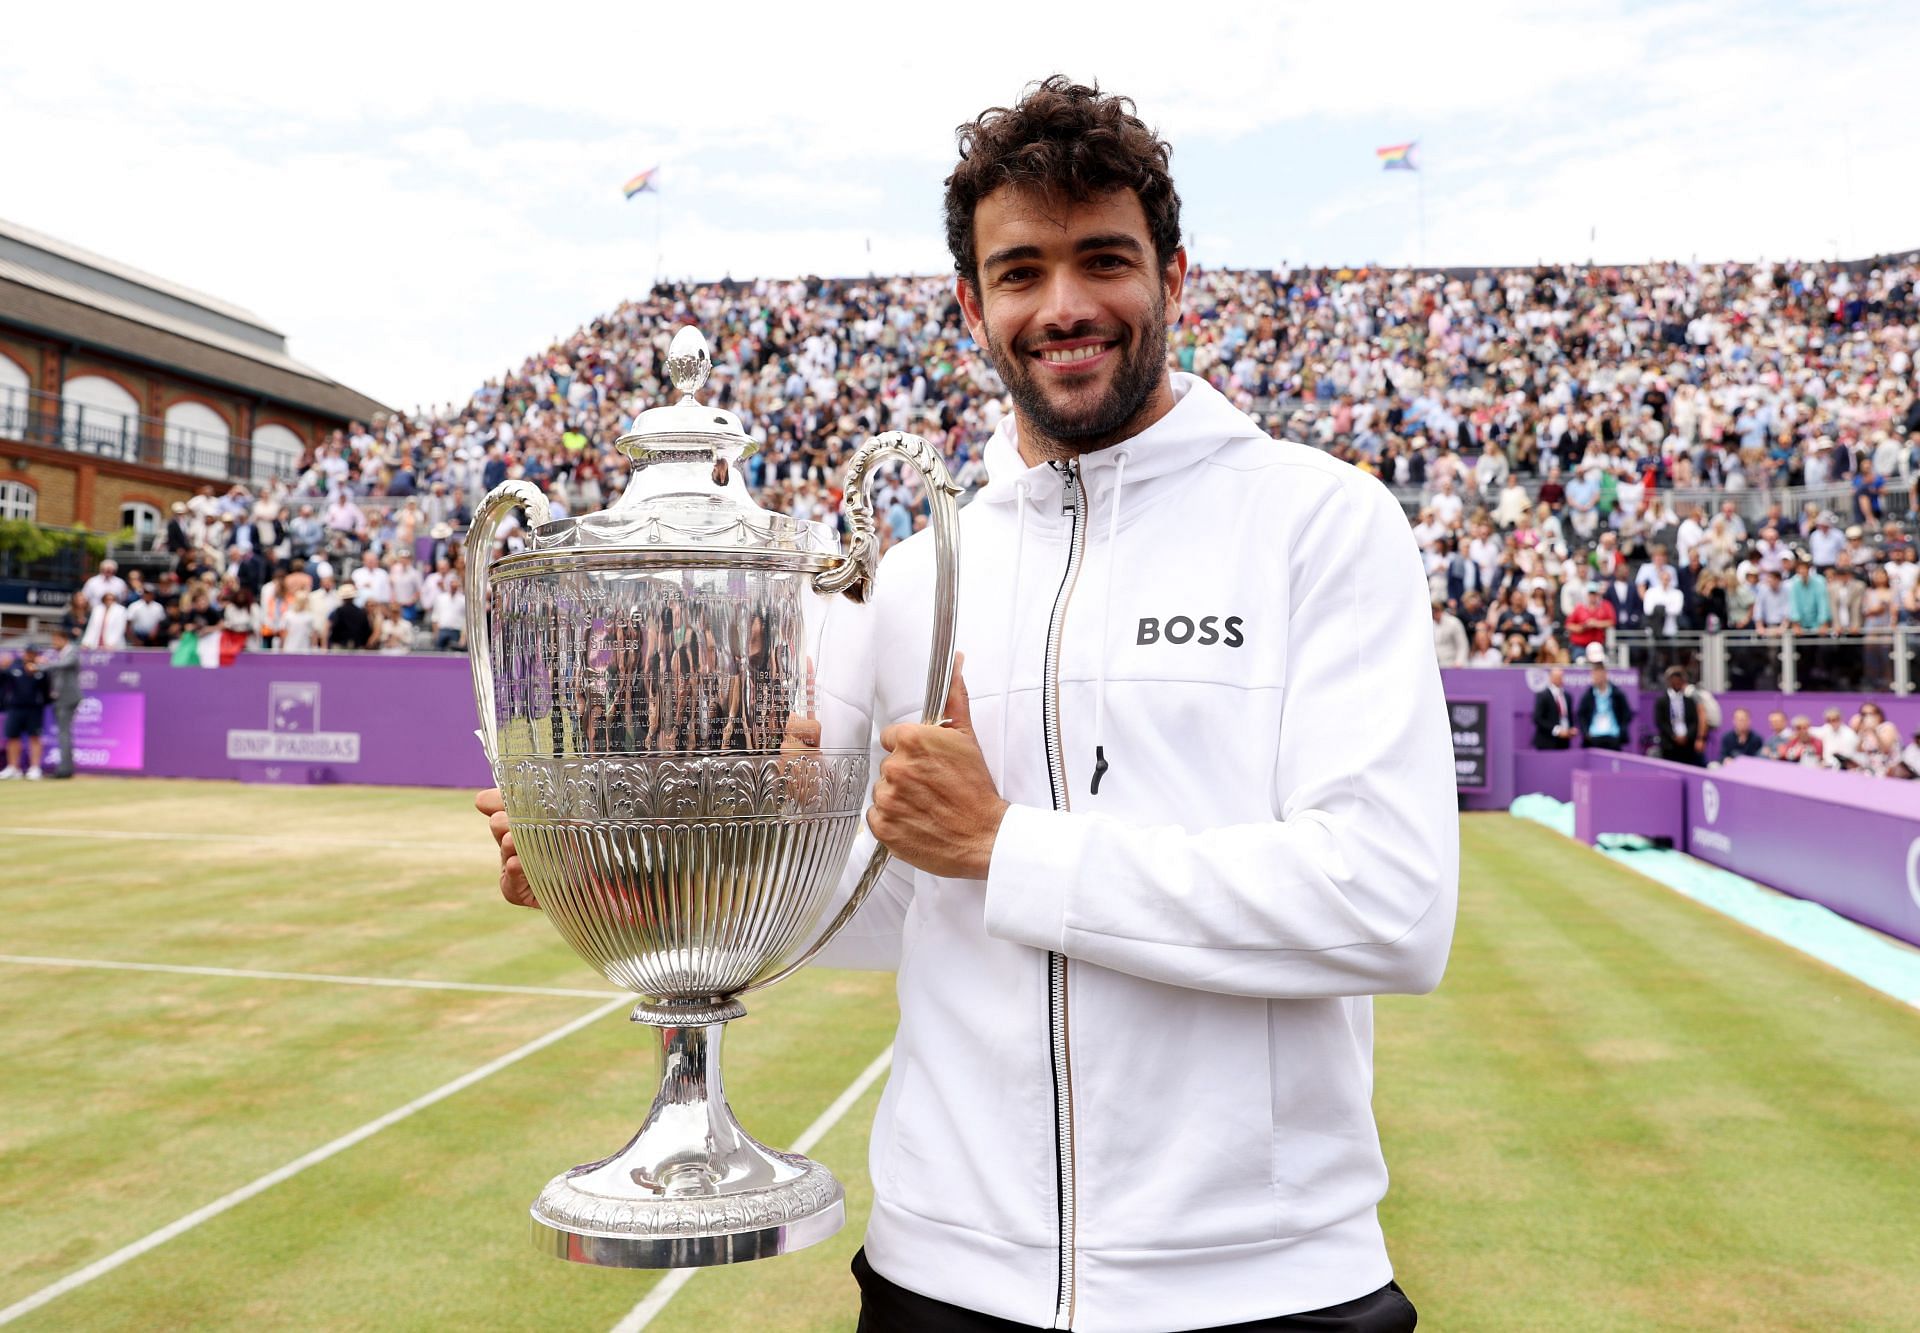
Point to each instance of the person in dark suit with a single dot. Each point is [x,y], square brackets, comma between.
[1628,611]
[1681,725]
[1603,713]
[1553,713]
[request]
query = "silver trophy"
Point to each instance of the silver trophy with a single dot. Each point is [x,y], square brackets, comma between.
[647,699]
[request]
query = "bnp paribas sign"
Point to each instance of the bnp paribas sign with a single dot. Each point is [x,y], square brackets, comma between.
[293,731]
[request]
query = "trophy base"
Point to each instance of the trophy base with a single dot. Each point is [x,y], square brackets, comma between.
[570,1224]
[692,1189]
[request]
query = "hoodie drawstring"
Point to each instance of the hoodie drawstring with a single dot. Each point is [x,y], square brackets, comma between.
[1106,624]
[1020,489]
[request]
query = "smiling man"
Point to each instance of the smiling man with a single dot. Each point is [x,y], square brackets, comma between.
[1194,808]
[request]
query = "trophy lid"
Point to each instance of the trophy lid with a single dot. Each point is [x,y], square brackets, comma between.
[687,498]
[688,423]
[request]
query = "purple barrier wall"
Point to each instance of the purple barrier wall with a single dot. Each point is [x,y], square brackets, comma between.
[271,717]
[1515,768]
[1846,841]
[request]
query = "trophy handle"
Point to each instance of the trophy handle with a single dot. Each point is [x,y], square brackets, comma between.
[507,495]
[854,576]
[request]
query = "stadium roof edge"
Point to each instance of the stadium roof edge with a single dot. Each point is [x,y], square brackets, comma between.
[78,255]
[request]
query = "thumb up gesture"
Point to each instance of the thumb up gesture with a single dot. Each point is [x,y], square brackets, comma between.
[935,806]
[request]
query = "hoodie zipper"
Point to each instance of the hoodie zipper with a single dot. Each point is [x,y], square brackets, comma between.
[1075,505]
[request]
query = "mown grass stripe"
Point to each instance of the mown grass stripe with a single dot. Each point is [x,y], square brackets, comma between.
[154,1239]
[254,974]
[474,847]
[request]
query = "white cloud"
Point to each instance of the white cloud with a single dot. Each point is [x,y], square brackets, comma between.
[421,196]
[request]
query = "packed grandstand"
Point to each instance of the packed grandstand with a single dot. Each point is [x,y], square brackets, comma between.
[1667,455]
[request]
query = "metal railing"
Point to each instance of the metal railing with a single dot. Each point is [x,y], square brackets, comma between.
[1869,662]
[33,417]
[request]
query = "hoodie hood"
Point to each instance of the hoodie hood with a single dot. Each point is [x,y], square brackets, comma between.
[1201,422]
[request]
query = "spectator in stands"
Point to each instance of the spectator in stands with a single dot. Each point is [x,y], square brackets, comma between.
[1782,732]
[1553,721]
[404,577]
[107,625]
[1839,743]
[349,627]
[1807,592]
[1485,649]
[1588,623]
[1742,740]
[448,614]
[1603,714]
[298,629]
[108,580]
[1801,745]
[1449,636]
[1682,725]
[305,534]
[1662,602]
[374,588]
[146,622]
[1877,741]
[1773,606]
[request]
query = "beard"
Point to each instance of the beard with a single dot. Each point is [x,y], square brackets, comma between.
[1083,428]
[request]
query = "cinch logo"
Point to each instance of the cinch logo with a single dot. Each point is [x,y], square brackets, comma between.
[1710,801]
[1184,629]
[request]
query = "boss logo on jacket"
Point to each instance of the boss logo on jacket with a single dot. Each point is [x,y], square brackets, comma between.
[1185,629]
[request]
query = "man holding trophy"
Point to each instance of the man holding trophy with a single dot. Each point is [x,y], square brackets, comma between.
[1190,806]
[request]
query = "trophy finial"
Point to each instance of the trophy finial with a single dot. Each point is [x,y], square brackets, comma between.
[688,361]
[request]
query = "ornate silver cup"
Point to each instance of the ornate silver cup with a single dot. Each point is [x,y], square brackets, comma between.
[647,699]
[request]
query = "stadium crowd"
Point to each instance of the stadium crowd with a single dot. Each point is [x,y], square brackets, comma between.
[1560,432]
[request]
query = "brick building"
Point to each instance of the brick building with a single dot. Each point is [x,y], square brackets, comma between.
[121,392]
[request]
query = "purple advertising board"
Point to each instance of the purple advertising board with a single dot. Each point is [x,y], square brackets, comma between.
[109,733]
[272,717]
[1844,840]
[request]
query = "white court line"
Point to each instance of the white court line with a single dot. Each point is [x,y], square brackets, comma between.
[275,839]
[669,1286]
[100,1267]
[251,974]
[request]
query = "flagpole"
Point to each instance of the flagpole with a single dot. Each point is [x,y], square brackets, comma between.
[1420,213]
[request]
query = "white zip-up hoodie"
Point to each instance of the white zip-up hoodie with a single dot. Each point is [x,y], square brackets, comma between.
[1273,841]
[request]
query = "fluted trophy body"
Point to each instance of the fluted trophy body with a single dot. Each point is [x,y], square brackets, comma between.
[648,694]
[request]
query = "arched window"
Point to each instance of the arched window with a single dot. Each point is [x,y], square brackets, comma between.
[15,396]
[145,521]
[196,440]
[99,417]
[18,500]
[276,452]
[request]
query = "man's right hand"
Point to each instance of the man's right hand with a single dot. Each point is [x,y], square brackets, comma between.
[513,880]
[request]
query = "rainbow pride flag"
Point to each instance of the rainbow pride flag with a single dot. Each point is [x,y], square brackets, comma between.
[641,183]
[1397,157]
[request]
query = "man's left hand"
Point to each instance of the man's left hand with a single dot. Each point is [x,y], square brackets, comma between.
[935,806]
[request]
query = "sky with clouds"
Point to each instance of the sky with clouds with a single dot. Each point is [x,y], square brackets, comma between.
[420,196]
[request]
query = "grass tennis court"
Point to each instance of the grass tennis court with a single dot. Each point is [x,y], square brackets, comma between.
[1619,1111]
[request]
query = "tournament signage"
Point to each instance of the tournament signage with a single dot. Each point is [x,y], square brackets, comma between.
[34,595]
[1468,718]
[109,733]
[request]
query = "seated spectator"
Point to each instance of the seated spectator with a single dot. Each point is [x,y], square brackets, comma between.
[1801,745]
[1782,732]
[1838,741]
[1742,741]
[147,620]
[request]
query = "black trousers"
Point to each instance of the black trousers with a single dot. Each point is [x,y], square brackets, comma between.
[887,1308]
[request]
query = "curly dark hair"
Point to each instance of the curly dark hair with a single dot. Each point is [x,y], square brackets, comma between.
[1070,141]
